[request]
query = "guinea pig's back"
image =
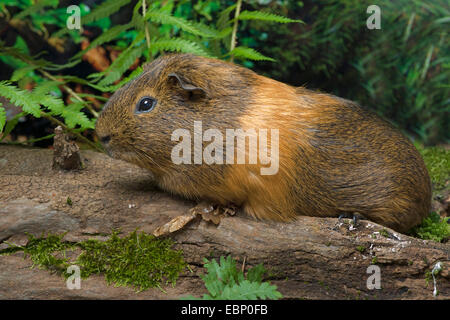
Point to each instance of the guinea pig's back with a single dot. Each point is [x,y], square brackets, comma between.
[361,163]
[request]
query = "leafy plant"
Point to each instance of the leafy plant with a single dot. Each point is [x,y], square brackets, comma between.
[433,228]
[400,71]
[225,282]
[137,260]
[153,28]
[437,160]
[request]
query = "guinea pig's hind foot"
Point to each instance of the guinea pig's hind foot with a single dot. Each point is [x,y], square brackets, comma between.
[355,216]
[212,212]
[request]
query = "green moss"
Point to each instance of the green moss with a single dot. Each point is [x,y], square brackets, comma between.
[137,260]
[437,160]
[361,248]
[374,260]
[433,227]
[384,233]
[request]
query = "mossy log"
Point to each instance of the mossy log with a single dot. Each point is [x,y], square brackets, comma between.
[311,258]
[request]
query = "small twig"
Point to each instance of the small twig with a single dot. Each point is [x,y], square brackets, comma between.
[147,34]
[78,135]
[243,264]
[71,92]
[235,27]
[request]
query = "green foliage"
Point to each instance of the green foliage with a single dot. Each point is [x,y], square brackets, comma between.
[138,260]
[437,160]
[2,117]
[433,228]
[225,282]
[400,71]
[35,102]
[165,26]
[104,10]
[248,53]
[265,16]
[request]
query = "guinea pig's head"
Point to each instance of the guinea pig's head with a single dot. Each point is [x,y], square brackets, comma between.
[172,92]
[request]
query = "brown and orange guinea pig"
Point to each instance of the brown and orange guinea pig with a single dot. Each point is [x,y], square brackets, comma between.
[332,156]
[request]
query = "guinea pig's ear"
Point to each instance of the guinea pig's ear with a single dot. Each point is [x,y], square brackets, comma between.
[191,91]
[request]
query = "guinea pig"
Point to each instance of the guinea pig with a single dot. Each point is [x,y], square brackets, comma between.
[329,156]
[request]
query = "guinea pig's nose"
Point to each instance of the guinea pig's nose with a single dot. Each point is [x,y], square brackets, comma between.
[105,139]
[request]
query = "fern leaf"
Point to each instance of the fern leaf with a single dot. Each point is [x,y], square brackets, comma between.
[121,64]
[11,124]
[104,10]
[256,273]
[73,116]
[107,36]
[178,45]
[158,16]
[19,54]
[265,16]
[46,86]
[21,98]
[132,75]
[224,17]
[36,7]
[247,290]
[22,72]
[55,105]
[2,117]
[249,53]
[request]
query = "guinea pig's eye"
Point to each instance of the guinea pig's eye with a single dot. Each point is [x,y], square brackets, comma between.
[145,104]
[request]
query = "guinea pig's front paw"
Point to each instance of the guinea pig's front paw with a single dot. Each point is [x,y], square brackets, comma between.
[211,212]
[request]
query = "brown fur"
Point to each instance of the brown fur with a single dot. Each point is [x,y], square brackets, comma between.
[335,157]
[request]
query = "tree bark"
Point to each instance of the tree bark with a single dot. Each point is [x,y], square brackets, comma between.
[311,258]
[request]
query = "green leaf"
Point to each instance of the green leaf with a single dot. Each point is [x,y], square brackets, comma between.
[224,17]
[256,273]
[11,124]
[249,53]
[158,16]
[73,116]
[107,36]
[34,9]
[22,72]
[132,75]
[55,105]
[123,62]
[178,45]
[104,10]
[21,98]
[2,117]
[247,290]
[265,16]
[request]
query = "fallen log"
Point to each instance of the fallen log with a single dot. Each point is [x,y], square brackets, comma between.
[311,258]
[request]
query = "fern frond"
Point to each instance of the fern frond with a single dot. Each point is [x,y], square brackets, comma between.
[45,87]
[54,104]
[22,98]
[132,75]
[224,17]
[107,36]
[73,116]
[247,290]
[18,74]
[158,16]
[32,9]
[19,54]
[178,45]
[122,63]
[2,117]
[249,53]
[265,16]
[104,10]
